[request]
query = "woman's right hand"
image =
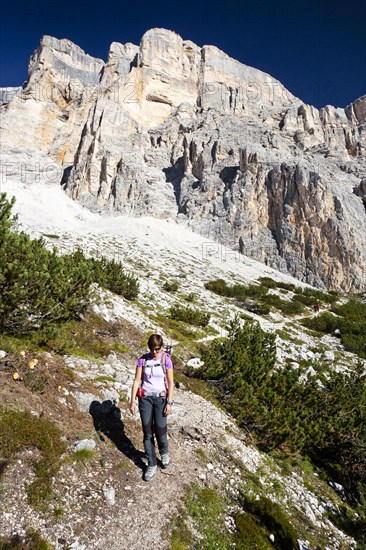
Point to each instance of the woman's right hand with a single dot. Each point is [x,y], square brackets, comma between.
[132,407]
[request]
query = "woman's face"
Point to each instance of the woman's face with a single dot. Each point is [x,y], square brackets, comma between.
[155,352]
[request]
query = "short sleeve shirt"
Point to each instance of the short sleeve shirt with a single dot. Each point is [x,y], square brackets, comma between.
[153,373]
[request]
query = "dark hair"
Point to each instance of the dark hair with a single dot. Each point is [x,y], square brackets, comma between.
[155,341]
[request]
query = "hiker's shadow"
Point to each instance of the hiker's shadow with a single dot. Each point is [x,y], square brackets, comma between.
[107,421]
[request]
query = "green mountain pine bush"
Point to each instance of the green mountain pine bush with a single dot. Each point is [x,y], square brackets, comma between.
[109,274]
[244,294]
[326,421]
[189,315]
[349,321]
[38,287]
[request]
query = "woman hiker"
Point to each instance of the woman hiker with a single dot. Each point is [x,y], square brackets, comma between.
[154,387]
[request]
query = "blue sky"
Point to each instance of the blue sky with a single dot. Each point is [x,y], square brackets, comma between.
[316,48]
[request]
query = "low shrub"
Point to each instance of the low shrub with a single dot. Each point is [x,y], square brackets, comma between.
[110,274]
[171,286]
[312,296]
[39,288]
[268,282]
[238,291]
[264,301]
[349,320]
[254,291]
[327,425]
[191,297]
[257,308]
[325,322]
[290,307]
[286,286]
[189,315]
[218,286]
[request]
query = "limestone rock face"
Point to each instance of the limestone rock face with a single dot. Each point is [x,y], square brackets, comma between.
[356,111]
[7,93]
[168,128]
[43,121]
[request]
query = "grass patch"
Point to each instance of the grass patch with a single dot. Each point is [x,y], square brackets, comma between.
[69,373]
[32,541]
[181,537]
[250,535]
[199,387]
[175,329]
[90,338]
[352,524]
[36,381]
[274,519]
[204,508]
[119,347]
[246,317]
[83,455]
[202,455]
[200,524]
[58,513]
[20,431]
[15,344]
[183,333]
[122,466]
[284,334]
[104,379]
[3,465]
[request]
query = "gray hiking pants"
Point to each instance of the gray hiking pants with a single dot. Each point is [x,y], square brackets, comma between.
[154,423]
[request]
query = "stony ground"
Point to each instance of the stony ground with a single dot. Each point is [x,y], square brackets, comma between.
[101,502]
[139,514]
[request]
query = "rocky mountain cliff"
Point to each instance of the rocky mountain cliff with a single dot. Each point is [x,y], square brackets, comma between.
[171,129]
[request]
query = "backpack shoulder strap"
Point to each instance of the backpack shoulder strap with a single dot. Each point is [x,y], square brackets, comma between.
[144,359]
[163,366]
[163,361]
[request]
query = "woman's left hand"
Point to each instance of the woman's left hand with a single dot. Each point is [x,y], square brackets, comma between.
[168,409]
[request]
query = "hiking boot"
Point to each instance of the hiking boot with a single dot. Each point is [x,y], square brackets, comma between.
[165,460]
[150,472]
